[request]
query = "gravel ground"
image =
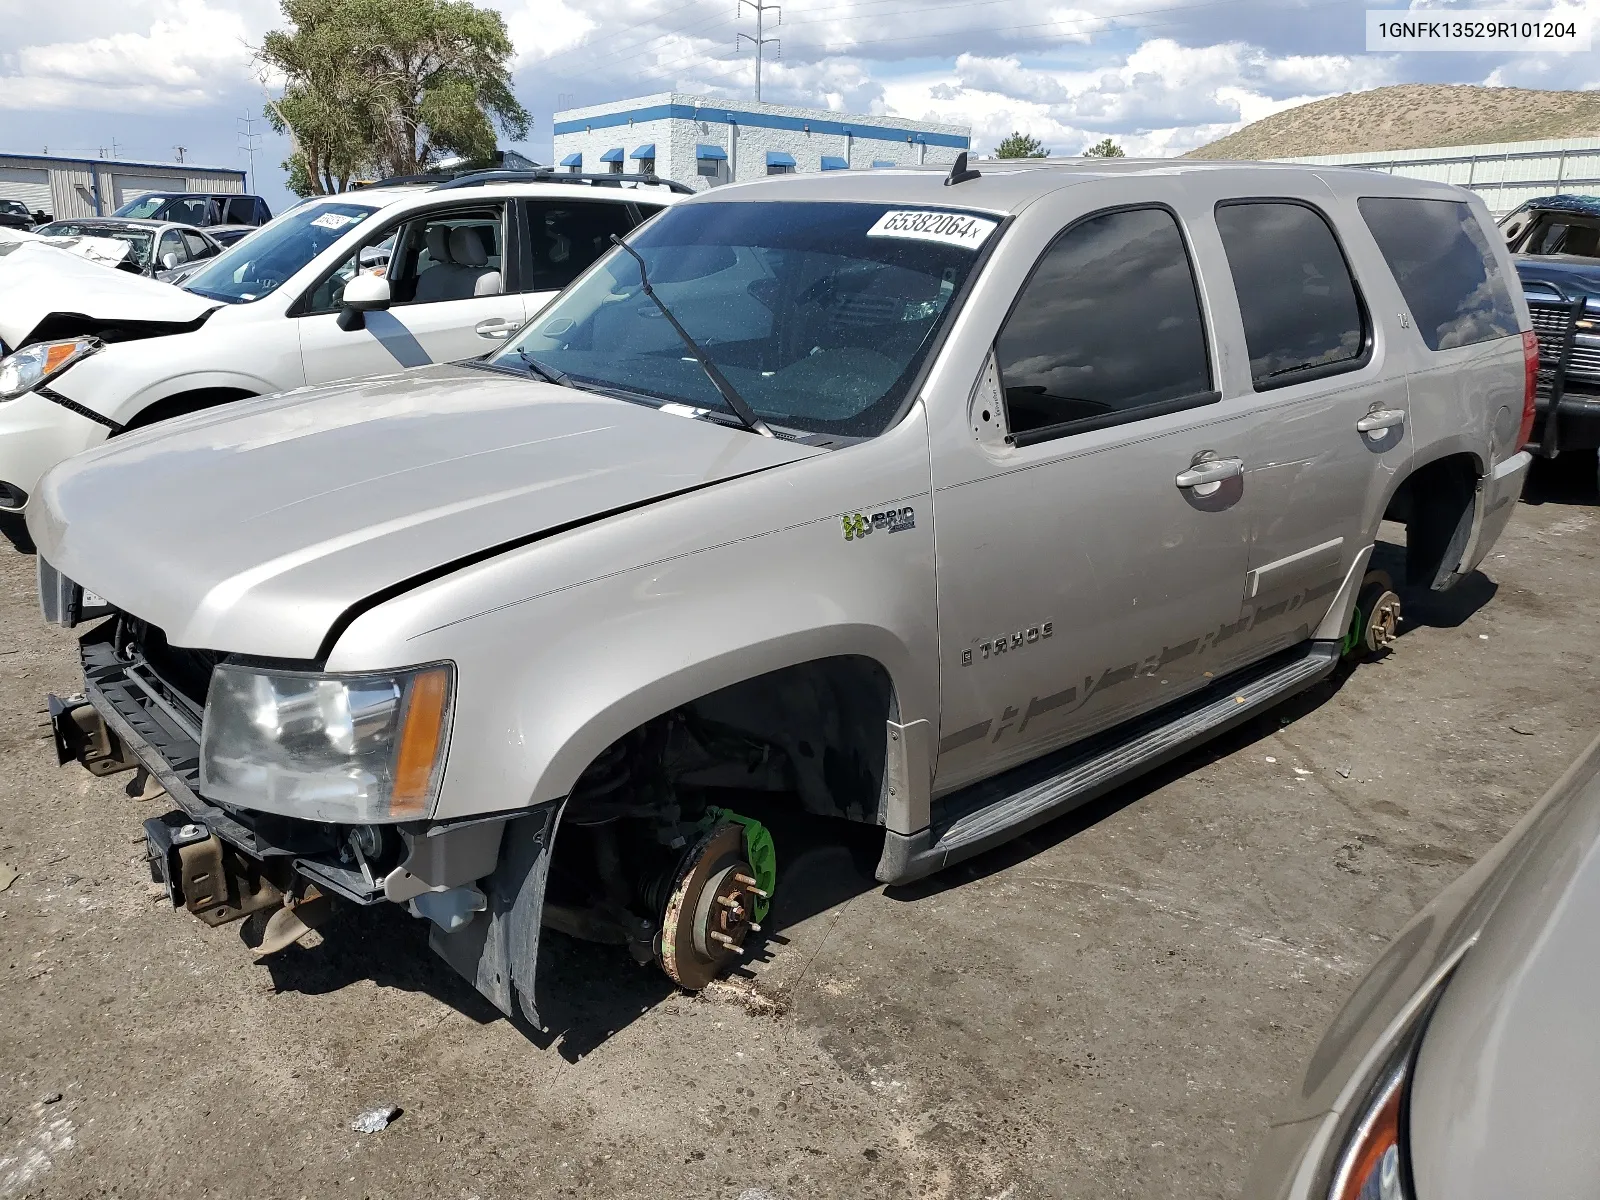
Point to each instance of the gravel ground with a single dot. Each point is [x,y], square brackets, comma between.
[1111,1007]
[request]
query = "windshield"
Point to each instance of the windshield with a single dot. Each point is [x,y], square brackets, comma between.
[144,206]
[138,241]
[819,314]
[262,262]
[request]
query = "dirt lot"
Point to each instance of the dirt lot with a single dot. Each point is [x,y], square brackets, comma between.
[1111,1008]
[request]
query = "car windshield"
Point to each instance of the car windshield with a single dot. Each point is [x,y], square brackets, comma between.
[819,314]
[144,206]
[261,263]
[138,241]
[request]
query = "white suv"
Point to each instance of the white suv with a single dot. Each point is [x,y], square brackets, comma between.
[449,271]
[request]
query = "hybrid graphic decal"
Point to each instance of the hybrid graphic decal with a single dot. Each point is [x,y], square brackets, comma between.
[890,520]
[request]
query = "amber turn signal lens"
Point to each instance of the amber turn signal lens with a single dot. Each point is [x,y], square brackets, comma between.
[421,736]
[1371,1166]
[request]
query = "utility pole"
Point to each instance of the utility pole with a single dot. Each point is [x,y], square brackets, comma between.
[760,40]
[249,139]
[181,151]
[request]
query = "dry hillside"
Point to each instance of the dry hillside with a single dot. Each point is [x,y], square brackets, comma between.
[1409,116]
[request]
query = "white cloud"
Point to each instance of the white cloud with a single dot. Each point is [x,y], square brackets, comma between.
[188,54]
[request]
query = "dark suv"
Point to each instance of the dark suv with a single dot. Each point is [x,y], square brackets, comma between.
[1555,242]
[198,208]
[14,215]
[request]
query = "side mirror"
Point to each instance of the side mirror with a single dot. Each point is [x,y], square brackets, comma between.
[169,260]
[363,294]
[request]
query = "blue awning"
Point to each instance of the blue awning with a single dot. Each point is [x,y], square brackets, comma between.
[572,160]
[612,155]
[712,152]
[778,158]
[834,164]
[648,150]
[883,162]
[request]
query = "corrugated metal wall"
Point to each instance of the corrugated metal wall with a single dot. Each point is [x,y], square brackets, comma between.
[1505,174]
[75,184]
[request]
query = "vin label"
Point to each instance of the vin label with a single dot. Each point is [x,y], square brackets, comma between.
[1515,29]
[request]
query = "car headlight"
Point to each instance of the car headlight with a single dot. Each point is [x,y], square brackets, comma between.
[32,365]
[352,749]
[1373,1165]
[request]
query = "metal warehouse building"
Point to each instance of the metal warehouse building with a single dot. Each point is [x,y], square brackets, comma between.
[1504,174]
[703,143]
[87,187]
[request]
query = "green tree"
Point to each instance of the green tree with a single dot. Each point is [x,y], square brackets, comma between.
[1021,145]
[384,86]
[1104,148]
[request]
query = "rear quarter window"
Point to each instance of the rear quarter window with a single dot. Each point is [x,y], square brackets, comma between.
[1441,259]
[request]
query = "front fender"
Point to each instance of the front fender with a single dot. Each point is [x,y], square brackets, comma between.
[677,600]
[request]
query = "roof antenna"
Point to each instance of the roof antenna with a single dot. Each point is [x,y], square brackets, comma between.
[959,171]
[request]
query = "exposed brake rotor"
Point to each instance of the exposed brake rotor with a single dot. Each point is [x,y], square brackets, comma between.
[1377,617]
[711,910]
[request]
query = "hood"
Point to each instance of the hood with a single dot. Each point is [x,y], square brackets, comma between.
[1575,277]
[254,528]
[1506,1095]
[45,292]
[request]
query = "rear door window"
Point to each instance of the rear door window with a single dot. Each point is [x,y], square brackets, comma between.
[1303,318]
[197,246]
[241,211]
[565,236]
[1441,259]
[1107,328]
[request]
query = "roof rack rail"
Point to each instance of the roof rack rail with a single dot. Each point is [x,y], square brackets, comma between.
[551,175]
[403,180]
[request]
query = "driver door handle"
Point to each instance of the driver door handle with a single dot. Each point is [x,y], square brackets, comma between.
[1380,419]
[496,328]
[1211,471]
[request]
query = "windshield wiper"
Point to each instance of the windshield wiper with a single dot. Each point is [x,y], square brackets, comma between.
[743,411]
[548,374]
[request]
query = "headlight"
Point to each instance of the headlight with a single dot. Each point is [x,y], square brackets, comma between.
[1373,1165]
[33,365]
[344,748]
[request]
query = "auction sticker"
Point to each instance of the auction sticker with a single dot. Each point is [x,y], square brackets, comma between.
[332,221]
[950,228]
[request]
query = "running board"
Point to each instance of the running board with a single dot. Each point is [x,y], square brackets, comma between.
[986,814]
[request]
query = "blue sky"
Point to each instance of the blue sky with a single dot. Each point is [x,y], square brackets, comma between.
[1160,76]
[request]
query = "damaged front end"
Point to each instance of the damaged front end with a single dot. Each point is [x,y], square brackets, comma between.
[652,864]
[480,881]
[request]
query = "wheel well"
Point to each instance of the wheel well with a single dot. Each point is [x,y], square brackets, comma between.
[815,730]
[184,403]
[1437,503]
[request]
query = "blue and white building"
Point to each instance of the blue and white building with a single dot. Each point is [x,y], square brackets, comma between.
[704,142]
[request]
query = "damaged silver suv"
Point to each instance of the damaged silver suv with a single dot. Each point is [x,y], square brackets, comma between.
[935,503]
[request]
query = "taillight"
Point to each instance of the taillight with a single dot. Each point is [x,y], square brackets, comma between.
[1530,389]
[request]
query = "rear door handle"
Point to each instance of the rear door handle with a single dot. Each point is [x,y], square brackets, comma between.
[496,328]
[1213,470]
[1381,419]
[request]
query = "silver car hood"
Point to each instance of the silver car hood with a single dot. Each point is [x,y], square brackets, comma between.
[253,528]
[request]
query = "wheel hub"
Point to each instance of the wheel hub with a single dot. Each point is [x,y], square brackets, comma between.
[711,910]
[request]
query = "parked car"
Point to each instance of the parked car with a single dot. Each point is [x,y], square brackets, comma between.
[1465,1064]
[14,215]
[198,208]
[227,235]
[478,257]
[158,249]
[1556,244]
[937,504]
